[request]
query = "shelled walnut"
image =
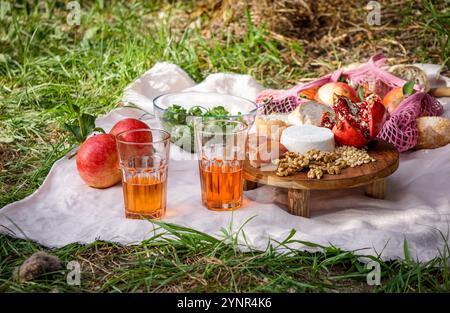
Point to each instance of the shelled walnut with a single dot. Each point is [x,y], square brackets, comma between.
[315,172]
[319,162]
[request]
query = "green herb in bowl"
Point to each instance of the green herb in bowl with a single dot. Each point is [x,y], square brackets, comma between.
[180,122]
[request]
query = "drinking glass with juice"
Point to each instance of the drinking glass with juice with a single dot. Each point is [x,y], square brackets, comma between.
[143,157]
[220,146]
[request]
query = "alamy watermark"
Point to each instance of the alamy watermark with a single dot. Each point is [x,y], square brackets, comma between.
[374,15]
[73,277]
[74,16]
[5,8]
[374,276]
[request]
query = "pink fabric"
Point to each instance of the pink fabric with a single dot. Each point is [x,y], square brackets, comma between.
[400,128]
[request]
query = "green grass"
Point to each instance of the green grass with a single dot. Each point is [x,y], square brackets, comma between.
[46,66]
[196,262]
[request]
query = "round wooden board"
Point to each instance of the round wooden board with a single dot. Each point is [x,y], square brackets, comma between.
[387,159]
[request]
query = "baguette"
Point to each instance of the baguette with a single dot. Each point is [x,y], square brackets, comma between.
[434,132]
[308,113]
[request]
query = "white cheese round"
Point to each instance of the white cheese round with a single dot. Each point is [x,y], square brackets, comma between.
[302,138]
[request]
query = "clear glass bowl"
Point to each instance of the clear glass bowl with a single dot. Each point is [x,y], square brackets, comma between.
[181,127]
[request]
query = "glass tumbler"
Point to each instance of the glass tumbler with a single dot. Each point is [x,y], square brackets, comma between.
[220,146]
[144,157]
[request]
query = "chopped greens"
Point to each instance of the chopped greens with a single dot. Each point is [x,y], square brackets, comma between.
[218,111]
[196,111]
[180,123]
[175,115]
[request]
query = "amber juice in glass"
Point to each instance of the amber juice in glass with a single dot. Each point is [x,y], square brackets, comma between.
[221,153]
[143,156]
[221,184]
[144,195]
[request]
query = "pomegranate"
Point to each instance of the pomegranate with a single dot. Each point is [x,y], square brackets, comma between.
[131,130]
[355,123]
[327,93]
[98,162]
[131,124]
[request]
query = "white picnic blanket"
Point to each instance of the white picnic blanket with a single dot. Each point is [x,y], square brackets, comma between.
[417,205]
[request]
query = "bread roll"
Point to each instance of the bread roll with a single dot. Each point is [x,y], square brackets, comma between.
[410,72]
[434,132]
[262,150]
[271,125]
[308,113]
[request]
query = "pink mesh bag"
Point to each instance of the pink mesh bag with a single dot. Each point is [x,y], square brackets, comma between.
[400,128]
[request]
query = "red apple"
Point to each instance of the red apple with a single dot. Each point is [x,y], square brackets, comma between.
[98,162]
[131,124]
[327,92]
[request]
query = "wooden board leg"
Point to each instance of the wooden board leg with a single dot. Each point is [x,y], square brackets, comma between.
[250,185]
[376,189]
[298,202]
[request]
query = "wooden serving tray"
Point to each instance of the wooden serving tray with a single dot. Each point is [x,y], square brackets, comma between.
[371,175]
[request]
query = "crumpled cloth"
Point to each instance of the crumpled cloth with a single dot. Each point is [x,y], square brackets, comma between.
[416,209]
